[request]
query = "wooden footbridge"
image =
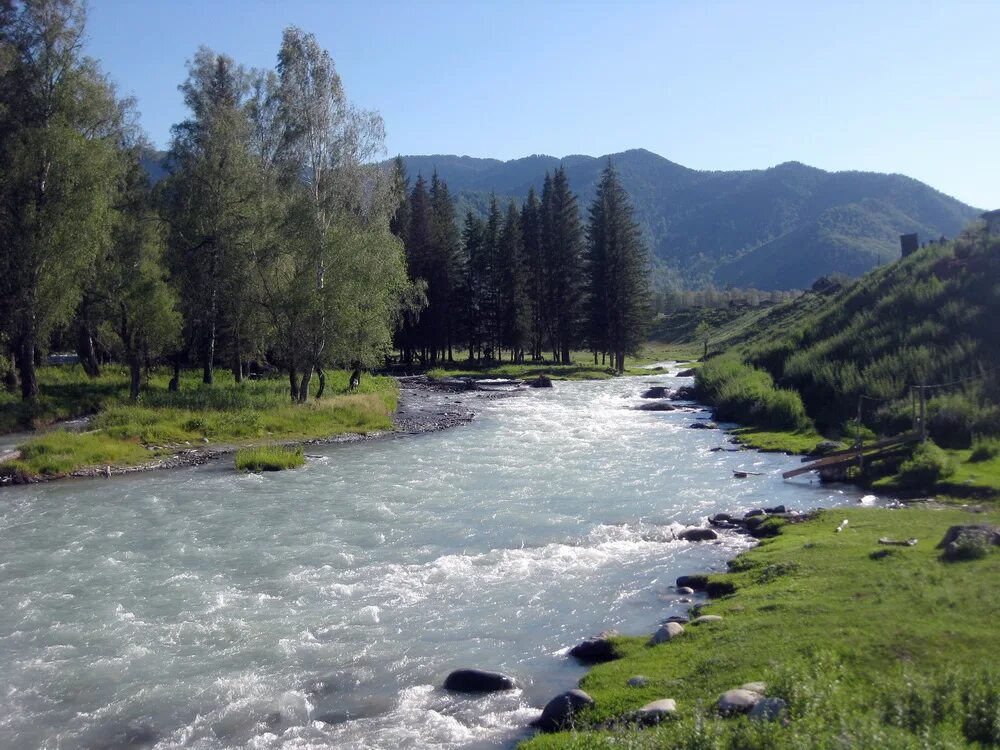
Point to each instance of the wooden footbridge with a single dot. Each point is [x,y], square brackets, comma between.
[857,454]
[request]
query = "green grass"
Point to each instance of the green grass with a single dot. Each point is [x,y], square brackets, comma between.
[269,458]
[869,653]
[777,441]
[971,479]
[226,412]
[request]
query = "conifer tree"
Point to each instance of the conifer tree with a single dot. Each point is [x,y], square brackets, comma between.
[515,320]
[562,241]
[618,271]
[447,269]
[473,243]
[535,282]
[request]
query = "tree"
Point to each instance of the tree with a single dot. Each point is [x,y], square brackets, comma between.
[535,279]
[137,302]
[210,205]
[703,333]
[59,119]
[473,243]
[446,271]
[562,242]
[618,269]
[515,318]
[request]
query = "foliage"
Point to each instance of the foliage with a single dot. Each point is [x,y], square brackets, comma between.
[984,449]
[856,653]
[269,458]
[741,393]
[928,465]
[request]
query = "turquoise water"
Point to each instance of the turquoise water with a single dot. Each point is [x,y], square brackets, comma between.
[324,607]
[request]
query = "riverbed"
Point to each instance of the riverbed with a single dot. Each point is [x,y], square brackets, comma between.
[323,607]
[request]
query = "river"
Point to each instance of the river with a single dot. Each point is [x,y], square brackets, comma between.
[323,607]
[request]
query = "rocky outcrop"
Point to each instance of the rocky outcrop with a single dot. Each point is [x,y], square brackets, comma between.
[477,681]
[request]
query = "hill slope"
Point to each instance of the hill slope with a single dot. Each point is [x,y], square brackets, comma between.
[777,228]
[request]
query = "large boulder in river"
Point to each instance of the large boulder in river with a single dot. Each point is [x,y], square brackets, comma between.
[657,391]
[559,712]
[689,373]
[684,393]
[697,534]
[705,425]
[595,650]
[477,681]
[542,381]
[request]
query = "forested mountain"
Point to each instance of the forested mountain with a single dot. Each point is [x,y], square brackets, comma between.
[777,228]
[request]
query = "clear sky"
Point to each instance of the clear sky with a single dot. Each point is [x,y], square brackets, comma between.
[907,86]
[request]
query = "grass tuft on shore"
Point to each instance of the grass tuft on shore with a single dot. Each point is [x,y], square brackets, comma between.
[269,458]
[884,651]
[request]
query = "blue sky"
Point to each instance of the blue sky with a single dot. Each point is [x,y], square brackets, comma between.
[910,87]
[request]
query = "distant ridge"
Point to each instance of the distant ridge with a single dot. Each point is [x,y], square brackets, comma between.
[776,228]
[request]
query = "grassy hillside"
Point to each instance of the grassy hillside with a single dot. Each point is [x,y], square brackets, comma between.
[778,228]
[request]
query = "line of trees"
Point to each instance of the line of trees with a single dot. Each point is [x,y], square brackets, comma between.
[526,280]
[269,238]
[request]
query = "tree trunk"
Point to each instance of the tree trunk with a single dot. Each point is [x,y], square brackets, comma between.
[565,355]
[304,385]
[321,376]
[29,376]
[135,379]
[10,377]
[85,351]
[238,368]
[175,382]
[293,382]
[208,355]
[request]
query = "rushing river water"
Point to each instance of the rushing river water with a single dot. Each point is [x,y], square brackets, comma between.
[323,607]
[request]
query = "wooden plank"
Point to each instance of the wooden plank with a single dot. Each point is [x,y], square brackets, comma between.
[904,438]
[845,458]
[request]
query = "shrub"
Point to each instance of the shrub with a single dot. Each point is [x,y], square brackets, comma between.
[984,449]
[744,394]
[269,458]
[928,465]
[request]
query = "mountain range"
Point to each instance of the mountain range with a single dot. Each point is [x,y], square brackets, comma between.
[777,228]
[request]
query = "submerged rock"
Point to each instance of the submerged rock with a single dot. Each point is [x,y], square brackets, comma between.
[542,381]
[657,392]
[657,406]
[697,534]
[477,681]
[559,712]
[706,425]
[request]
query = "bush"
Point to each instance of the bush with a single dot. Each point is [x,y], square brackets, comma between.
[950,420]
[984,449]
[269,458]
[928,465]
[741,393]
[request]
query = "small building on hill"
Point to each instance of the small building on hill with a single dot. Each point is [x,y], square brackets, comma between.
[909,244]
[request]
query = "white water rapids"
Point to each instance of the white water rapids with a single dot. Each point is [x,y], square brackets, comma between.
[323,607]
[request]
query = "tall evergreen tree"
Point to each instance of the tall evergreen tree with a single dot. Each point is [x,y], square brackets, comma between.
[535,281]
[473,243]
[562,241]
[446,270]
[618,271]
[515,320]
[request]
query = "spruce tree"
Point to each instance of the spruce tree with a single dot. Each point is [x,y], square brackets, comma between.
[618,271]
[563,239]
[515,321]
[446,269]
[535,283]
[473,236]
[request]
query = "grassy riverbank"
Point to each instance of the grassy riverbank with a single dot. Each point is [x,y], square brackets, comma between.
[890,652]
[165,422]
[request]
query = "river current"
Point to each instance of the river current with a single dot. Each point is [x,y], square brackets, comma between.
[323,607]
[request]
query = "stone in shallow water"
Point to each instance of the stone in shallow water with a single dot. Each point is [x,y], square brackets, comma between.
[595,650]
[477,681]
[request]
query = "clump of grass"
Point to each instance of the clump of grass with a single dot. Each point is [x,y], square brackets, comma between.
[742,393]
[269,458]
[984,449]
